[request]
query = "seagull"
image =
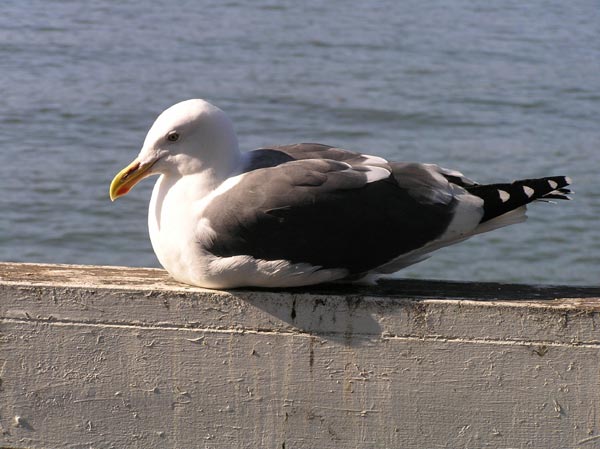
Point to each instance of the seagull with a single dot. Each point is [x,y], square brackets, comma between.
[303,214]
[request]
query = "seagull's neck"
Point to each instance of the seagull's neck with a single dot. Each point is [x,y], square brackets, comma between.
[187,187]
[193,187]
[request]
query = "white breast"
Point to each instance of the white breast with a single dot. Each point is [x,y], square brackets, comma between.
[172,222]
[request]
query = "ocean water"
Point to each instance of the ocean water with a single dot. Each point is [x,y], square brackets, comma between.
[499,90]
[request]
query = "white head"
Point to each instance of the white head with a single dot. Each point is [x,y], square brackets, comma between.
[188,138]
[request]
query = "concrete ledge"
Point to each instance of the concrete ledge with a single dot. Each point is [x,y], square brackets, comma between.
[107,357]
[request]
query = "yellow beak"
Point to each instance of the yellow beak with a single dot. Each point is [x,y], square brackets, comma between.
[128,177]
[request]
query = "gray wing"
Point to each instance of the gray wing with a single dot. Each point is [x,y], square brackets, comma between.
[330,213]
[270,157]
[301,151]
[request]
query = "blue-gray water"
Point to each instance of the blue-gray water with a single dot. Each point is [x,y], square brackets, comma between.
[497,89]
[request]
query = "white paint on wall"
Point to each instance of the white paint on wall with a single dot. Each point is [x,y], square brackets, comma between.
[104,357]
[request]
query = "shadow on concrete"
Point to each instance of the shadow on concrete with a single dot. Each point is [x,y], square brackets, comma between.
[415,289]
[349,313]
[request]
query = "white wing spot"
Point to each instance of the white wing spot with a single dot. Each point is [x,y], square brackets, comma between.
[376,174]
[504,196]
[528,191]
[449,172]
[568,180]
[372,159]
[552,184]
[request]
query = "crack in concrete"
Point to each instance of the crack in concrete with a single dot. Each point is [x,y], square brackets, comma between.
[298,333]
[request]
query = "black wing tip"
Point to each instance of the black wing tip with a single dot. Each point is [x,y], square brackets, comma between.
[549,187]
[503,198]
[559,191]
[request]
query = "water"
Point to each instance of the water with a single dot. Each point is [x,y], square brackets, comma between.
[499,90]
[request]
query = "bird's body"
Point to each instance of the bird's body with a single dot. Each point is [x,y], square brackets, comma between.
[306,213]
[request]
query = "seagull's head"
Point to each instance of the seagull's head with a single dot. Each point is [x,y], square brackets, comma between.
[189,137]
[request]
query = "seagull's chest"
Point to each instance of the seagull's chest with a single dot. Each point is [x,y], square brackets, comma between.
[173,219]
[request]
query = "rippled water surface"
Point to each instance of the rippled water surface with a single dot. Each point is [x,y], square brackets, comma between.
[498,90]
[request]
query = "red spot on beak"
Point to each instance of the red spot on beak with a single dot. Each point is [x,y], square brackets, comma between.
[123,191]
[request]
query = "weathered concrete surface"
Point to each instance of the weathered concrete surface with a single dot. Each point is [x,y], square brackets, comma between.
[105,357]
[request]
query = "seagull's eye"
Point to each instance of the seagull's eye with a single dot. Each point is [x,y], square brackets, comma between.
[173,136]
